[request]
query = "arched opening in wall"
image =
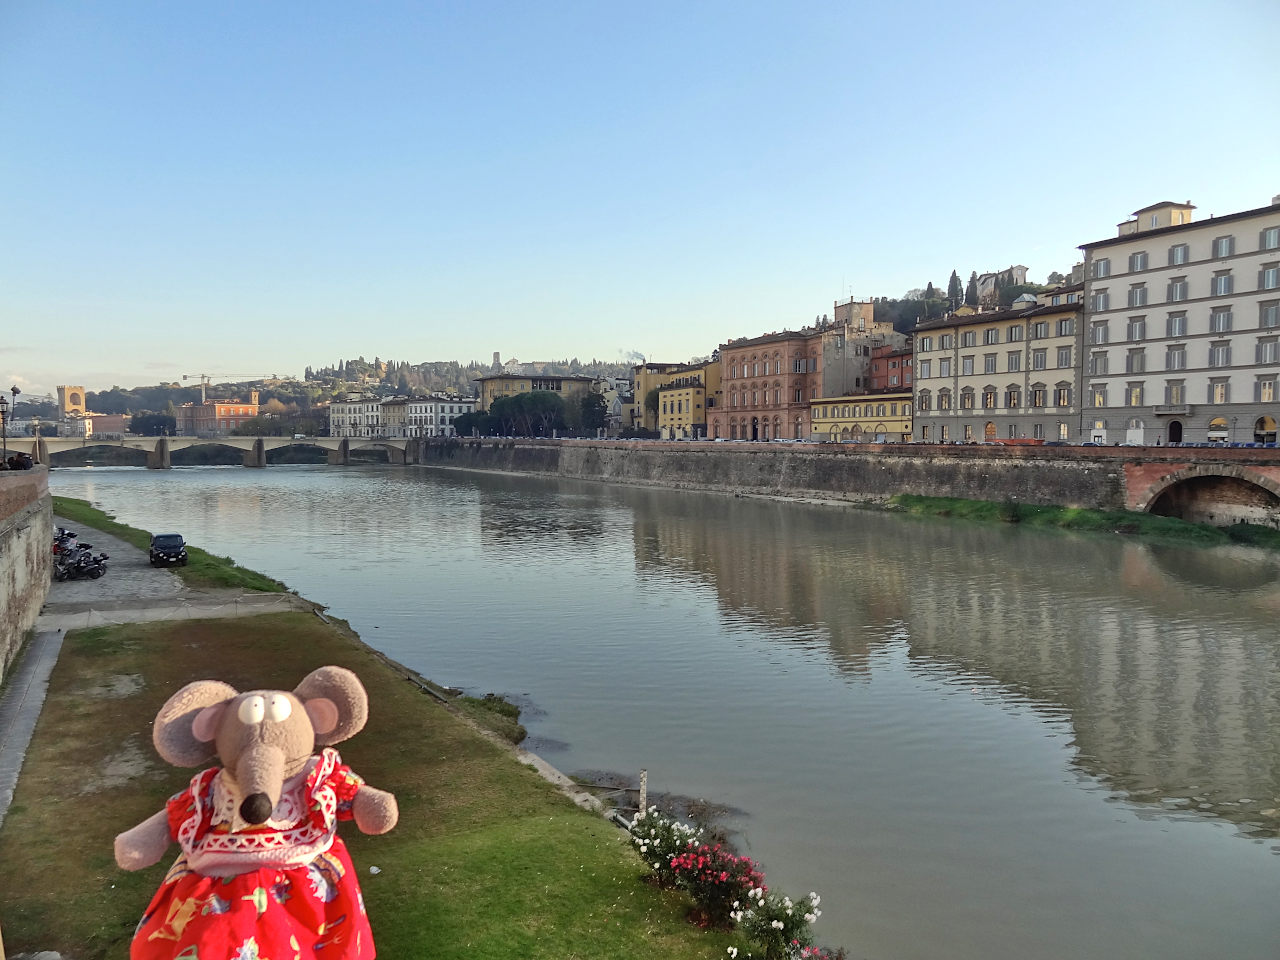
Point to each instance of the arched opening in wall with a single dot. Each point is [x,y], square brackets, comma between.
[1264,430]
[1218,428]
[1175,431]
[799,427]
[989,431]
[844,433]
[755,429]
[1218,500]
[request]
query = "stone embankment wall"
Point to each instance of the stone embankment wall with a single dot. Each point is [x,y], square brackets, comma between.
[863,472]
[26,534]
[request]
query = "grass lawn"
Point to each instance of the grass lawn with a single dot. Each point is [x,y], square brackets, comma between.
[203,569]
[488,860]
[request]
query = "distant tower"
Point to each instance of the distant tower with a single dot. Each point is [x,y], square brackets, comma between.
[253,397]
[71,402]
[497,360]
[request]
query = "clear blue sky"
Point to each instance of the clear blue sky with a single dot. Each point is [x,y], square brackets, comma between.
[248,188]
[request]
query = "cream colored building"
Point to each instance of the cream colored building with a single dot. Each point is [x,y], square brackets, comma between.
[1183,328]
[998,375]
[567,387]
[863,418]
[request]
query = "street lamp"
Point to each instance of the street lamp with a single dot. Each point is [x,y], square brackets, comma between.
[4,429]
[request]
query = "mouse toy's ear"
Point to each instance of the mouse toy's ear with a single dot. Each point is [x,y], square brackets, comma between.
[336,701]
[188,722]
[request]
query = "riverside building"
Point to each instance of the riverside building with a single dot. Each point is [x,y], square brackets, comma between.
[998,375]
[1183,328]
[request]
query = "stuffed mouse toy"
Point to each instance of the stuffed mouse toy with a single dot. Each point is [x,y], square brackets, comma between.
[262,874]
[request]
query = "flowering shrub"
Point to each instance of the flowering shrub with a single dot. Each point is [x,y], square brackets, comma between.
[716,879]
[660,838]
[780,926]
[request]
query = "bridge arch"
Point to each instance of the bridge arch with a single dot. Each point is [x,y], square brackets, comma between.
[1219,494]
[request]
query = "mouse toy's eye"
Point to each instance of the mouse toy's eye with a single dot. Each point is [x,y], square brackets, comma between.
[252,710]
[279,708]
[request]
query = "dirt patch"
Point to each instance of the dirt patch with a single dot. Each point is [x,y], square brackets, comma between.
[115,687]
[119,768]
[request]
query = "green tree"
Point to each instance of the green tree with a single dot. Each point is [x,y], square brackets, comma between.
[971,291]
[594,412]
[955,290]
[1056,277]
[152,425]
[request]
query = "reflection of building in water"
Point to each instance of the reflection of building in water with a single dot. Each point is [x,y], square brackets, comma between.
[760,557]
[1169,697]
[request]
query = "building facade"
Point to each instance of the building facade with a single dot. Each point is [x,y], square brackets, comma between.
[768,383]
[686,400]
[1183,328]
[891,368]
[433,416]
[998,375]
[215,417]
[863,418]
[497,386]
[357,415]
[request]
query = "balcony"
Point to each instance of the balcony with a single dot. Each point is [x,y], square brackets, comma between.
[1172,409]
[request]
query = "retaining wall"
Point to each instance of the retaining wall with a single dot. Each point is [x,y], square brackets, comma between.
[862,472]
[26,533]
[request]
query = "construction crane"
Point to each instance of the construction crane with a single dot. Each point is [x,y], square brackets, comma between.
[205,379]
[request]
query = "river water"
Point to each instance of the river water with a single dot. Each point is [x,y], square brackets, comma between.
[974,741]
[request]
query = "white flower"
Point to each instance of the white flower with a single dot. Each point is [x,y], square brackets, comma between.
[786,902]
[777,924]
[732,951]
[810,917]
[644,848]
[815,898]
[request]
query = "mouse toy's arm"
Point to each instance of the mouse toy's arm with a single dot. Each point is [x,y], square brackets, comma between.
[374,810]
[144,844]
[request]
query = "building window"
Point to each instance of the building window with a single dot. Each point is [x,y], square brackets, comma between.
[1098,364]
[1137,261]
[1219,391]
[1175,357]
[988,363]
[944,367]
[988,398]
[1038,396]
[945,341]
[1039,330]
[1177,290]
[991,335]
[1179,254]
[926,367]
[1138,295]
[1221,284]
[1099,333]
[1224,246]
[1269,314]
[944,399]
[923,402]
[1135,361]
[1066,327]
[1219,320]
[1064,356]
[969,338]
[966,400]
[1133,395]
[1176,325]
[1268,351]
[1012,398]
[1220,354]
[1098,395]
[1175,392]
[1037,431]
[1137,328]
[1101,268]
[966,366]
[1015,361]
[1269,276]
[944,433]
[799,395]
[1264,390]
[1101,301]
[1014,334]
[1062,395]
[1039,359]
[926,344]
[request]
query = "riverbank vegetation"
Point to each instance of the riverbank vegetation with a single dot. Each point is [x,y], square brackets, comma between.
[203,569]
[488,859]
[1091,521]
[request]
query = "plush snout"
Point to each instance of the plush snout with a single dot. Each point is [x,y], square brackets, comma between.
[259,775]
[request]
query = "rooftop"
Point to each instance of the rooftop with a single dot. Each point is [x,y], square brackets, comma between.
[1140,236]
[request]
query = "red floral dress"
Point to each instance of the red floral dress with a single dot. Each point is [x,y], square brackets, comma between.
[281,890]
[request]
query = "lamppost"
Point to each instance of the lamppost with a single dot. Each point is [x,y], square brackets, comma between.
[1233,429]
[4,429]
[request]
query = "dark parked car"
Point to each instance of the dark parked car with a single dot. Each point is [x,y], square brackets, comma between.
[167,549]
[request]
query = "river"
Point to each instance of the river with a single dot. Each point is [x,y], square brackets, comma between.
[976,742]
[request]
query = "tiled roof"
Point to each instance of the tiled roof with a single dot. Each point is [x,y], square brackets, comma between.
[994,316]
[1138,235]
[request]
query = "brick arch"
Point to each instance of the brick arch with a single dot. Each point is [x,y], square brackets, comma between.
[1153,492]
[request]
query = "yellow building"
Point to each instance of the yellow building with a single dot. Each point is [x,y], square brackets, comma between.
[652,376]
[863,418]
[684,400]
[492,388]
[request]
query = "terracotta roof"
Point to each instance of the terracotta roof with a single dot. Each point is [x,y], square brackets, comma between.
[1175,228]
[994,316]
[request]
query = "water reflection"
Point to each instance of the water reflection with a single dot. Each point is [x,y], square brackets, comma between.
[1172,698]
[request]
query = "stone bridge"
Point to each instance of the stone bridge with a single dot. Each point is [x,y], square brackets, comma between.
[158,449]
